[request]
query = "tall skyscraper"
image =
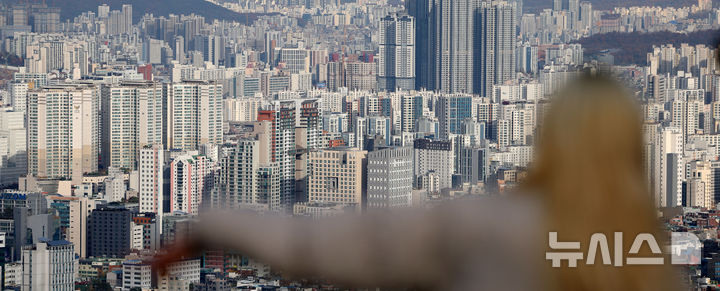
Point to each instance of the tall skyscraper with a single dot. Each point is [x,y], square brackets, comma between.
[425,14]
[212,47]
[685,113]
[668,168]
[434,164]
[152,51]
[80,209]
[18,95]
[573,6]
[103,11]
[396,59]
[239,176]
[63,131]
[586,15]
[568,5]
[454,61]
[389,178]
[464,46]
[132,118]
[278,137]
[700,185]
[189,178]
[127,15]
[452,110]
[520,7]
[272,41]
[151,168]
[473,164]
[180,49]
[46,20]
[247,178]
[527,59]
[558,5]
[116,22]
[309,123]
[410,111]
[495,44]
[19,15]
[194,114]
[13,146]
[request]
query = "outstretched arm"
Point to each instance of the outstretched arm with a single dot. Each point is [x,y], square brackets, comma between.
[419,247]
[371,250]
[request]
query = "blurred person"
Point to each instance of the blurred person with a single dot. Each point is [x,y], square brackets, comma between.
[588,178]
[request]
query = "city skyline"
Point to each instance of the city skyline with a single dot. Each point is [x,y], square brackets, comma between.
[122,124]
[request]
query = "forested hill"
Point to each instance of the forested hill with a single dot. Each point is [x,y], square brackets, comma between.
[72,8]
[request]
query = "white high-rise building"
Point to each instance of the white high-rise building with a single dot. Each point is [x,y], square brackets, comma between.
[396,57]
[132,118]
[308,120]
[247,178]
[389,178]
[685,113]
[127,15]
[700,185]
[13,146]
[52,53]
[180,49]
[103,11]
[277,137]
[239,173]
[18,95]
[152,50]
[586,16]
[115,186]
[80,209]
[527,59]
[669,170]
[63,131]
[48,266]
[212,48]
[194,114]
[411,107]
[521,118]
[189,175]
[503,132]
[241,109]
[434,160]
[150,180]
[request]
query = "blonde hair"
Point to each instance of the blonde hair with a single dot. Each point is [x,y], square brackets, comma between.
[589,172]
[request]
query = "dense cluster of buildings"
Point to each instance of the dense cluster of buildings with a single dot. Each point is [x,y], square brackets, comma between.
[119,129]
